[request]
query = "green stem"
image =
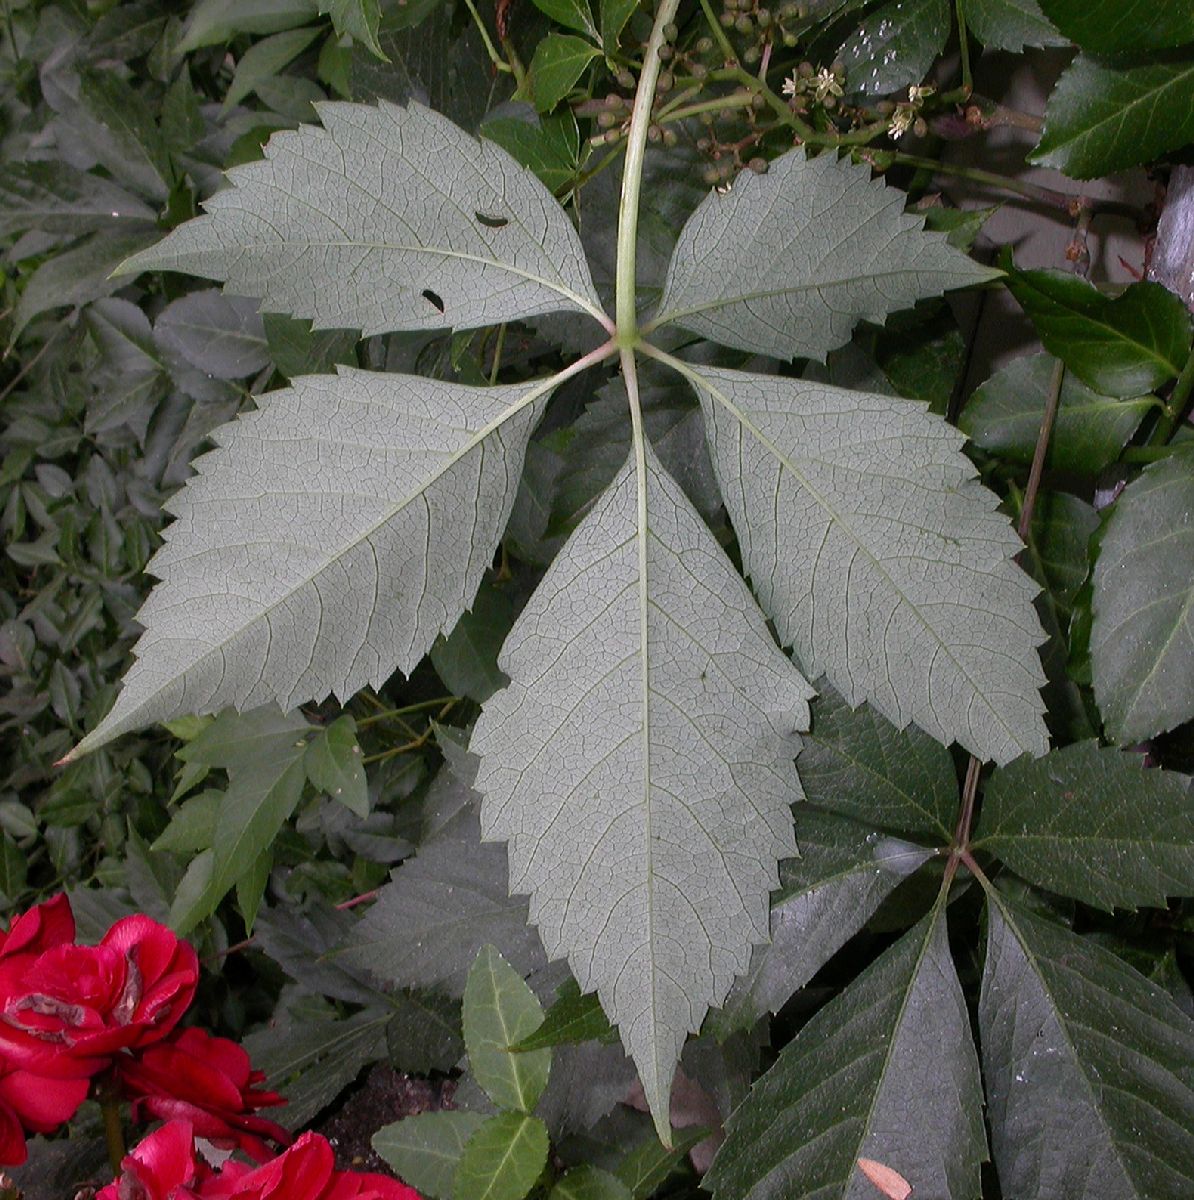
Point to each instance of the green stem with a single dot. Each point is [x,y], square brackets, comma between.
[964,48]
[390,713]
[1052,400]
[721,104]
[113,1128]
[494,57]
[719,34]
[1177,407]
[625,313]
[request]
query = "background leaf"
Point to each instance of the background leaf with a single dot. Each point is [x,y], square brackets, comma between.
[895,45]
[1003,416]
[500,1012]
[1089,1068]
[1119,346]
[1122,27]
[220,335]
[560,60]
[1142,641]
[1092,823]
[1010,24]
[844,872]
[333,764]
[886,1070]
[503,1159]
[1103,118]
[425,1149]
[854,762]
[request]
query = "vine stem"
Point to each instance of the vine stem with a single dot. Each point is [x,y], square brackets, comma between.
[1177,407]
[625,313]
[109,1098]
[1048,420]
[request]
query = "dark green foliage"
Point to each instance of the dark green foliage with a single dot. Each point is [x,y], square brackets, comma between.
[1036,919]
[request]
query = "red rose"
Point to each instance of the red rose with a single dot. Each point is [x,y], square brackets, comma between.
[207,1081]
[33,1104]
[70,1008]
[163,1166]
[33,933]
[305,1172]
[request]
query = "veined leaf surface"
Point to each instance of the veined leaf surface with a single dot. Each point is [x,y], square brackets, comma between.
[1089,1068]
[334,534]
[887,1071]
[639,765]
[787,263]
[879,556]
[349,226]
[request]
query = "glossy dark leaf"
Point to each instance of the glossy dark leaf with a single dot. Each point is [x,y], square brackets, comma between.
[1103,118]
[1122,27]
[855,762]
[1010,24]
[55,198]
[572,1018]
[895,45]
[844,872]
[560,60]
[1142,639]
[549,146]
[1004,417]
[886,1071]
[1092,823]
[1089,1068]
[1120,346]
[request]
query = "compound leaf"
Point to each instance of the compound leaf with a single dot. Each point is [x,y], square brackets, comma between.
[895,45]
[879,555]
[500,1011]
[334,534]
[787,263]
[1092,823]
[347,225]
[886,1070]
[639,765]
[1089,1068]
[1142,640]
[56,198]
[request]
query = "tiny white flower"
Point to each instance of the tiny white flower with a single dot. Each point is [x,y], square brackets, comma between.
[918,93]
[826,84]
[791,85]
[901,121]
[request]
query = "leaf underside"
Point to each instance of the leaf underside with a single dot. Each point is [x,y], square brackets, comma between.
[788,262]
[335,533]
[345,225]
[879,556]
[639,765]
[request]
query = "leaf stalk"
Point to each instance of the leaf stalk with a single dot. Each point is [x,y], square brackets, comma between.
[625,312]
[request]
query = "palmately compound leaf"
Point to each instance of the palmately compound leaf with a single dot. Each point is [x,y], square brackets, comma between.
[1092,823]
[1142,640]
[335,533]
[887,1071]
[787,263]
[639,765]
[387,218]
[1089,1068]
[879,556]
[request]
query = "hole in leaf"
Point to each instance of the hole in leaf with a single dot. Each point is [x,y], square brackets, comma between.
[432,298]
[492,222]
